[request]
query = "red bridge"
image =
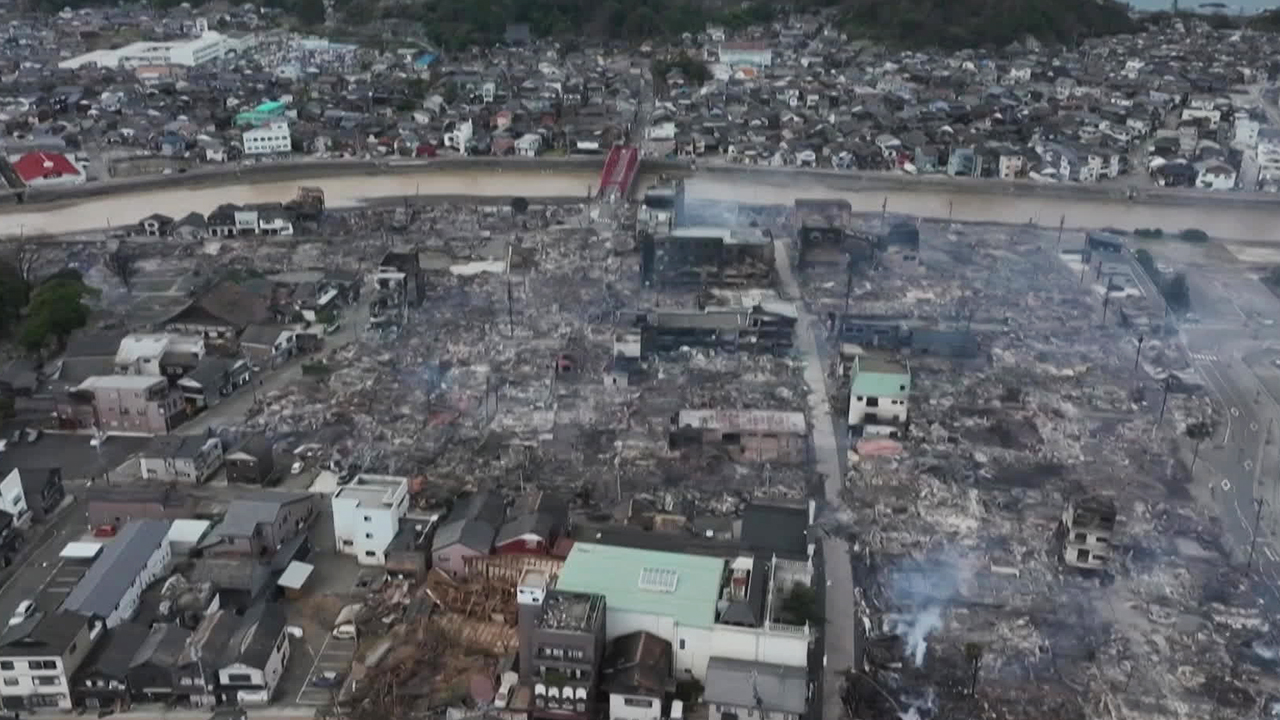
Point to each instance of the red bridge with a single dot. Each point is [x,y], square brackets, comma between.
[619,172]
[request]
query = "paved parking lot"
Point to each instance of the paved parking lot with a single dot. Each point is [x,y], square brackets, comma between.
[60,583]
[72,453]
[333,655]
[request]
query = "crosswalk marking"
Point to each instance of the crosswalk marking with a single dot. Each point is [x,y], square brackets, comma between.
[1204,357]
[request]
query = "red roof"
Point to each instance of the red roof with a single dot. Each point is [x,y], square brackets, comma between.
[37,165]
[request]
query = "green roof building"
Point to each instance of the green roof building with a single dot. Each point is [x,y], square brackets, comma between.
[262,114]
[671,595]
[878,393]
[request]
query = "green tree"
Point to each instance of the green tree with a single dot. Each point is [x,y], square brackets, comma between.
[1148,264]
[1177,293]
[801,606]
[55,310]
[13,295]
[310,12]
[1198,432]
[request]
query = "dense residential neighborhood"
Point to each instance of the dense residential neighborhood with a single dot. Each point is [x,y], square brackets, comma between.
[1177,104]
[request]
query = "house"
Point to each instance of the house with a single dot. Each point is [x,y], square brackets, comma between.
[756,54]
[1215,175]
[89,354]
[223,311]
[117,505]
[533,526]
[210,380]
[111,589]
[878,394]
[40,656]
[222,221]
[185,459]
[268,344]
[155,225]
[270,139]
[143,404]
[251,462]
[47,169]
[705,606]
[366,516]
[31,493]
[773,529]
[468,530]
[562,640]
[258,524]
[745,435]
[738,688]
[963,162]
[528,145]
[143,353]
[161,671]
[103,678]
[255,656]
[637,673]
[190,227]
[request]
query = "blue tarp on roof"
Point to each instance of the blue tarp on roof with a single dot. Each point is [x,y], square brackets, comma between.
[425,59]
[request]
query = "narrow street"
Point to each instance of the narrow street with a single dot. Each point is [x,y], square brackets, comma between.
[838,629]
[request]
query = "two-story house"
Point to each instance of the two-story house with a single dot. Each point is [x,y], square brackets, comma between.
[122,403]
[878,394]
[103,678]
[185,459]
[260,523]
[251,462]
[112,588]
[39,656]
[167,667]
[255,656]
[742,689]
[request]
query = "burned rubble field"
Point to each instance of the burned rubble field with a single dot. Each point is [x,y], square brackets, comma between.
[957,541]
[466,390]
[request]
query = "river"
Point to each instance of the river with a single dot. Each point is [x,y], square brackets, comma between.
[1235,222]
[340,192]
[1232,222]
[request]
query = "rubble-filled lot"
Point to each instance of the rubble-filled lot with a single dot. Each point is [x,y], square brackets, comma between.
[958,538]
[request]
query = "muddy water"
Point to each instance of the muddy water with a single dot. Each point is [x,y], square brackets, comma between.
[340,192]
[1221,221]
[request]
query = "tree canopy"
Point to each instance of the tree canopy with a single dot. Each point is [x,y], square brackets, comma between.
[55,310]
[976,23]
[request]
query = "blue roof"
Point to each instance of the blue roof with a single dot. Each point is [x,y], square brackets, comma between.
[425,59]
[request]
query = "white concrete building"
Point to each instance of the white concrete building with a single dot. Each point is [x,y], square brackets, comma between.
[269,139]
[143,353]
[366,516]
[704,606]
[878,392]
[1215,176]
[1244,131]
[460,137]
[111,589]
[39,657]
[751,53]
[13,499]
[1268,153]
[528,145]
[195,51]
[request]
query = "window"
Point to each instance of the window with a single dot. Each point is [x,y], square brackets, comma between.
[11,682]
[239,678]
[681,643]
[47,681]
[370,553]
[368,536]
[368,518]
[43,664]
[6,664]
[637,702]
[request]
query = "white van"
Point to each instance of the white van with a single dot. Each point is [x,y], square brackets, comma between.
[345,631]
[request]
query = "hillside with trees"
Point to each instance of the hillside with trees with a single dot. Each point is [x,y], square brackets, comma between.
[957,24]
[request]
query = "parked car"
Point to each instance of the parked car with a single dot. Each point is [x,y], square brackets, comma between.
[25,609]
[34,434]
[328,679]
[105,531]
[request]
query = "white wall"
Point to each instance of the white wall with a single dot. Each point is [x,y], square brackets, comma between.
[620,710]
[25,678]
[128,604]
[889,409]
[757,645]
[690,660]
[12,499]
[268,676]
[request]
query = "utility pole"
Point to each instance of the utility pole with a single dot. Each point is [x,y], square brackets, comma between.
[950,207]
[1253,543]
[1083,266]
[884,209]
[848,288]
[1062,221]
[1137,357]
[1106,299]
[1164,399]
[511,313]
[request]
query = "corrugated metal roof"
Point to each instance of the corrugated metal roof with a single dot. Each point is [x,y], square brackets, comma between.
[100,590]
[616,573]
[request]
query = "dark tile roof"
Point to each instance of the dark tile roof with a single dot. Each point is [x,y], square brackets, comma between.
[776,529]
[175,446]
[252,643]
[637,663]
[113,655]
[42,634]
[101,589]
[163,646]
[103,344]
